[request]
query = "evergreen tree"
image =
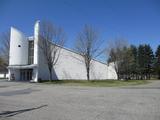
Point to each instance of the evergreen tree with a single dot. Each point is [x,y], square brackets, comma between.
[128,62]
[134,66]
[149,57]
[135,62]
[141,61]
[145,61]
[157,62]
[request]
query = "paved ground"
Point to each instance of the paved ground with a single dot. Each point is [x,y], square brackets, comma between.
[26,101]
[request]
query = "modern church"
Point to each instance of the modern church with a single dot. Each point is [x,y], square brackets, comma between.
[27,64]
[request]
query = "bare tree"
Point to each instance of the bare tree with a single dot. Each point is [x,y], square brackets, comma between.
[116,54]
[5,46]
[52,40]
[88,45]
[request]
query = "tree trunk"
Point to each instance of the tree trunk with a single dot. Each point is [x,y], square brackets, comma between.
[88,75]
[50,75]
[118,75]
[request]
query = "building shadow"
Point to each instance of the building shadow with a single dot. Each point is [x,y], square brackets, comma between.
[54,75]
[18,92]
[5,114]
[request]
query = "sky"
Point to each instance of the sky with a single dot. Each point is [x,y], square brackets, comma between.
[137,21]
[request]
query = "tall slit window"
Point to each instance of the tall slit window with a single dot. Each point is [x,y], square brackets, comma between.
[31,52]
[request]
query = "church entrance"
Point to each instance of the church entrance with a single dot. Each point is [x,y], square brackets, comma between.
[26,74]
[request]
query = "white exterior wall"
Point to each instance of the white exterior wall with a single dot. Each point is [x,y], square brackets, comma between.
[98,70]
[18,55]
[111,71]
[36,50]
[36,37]
[70,66]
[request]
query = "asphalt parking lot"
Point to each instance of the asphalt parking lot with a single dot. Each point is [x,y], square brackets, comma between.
[31,101]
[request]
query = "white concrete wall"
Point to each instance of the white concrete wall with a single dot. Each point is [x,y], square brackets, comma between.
[70,66]
[36,50]
[111,71]
[18,55]
[98,70]
[36,37]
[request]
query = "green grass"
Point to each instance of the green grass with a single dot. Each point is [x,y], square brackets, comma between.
[97,83]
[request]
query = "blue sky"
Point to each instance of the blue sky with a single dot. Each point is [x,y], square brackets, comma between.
[138,21]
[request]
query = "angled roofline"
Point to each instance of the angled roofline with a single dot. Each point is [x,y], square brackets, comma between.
[14,28]
[73,51]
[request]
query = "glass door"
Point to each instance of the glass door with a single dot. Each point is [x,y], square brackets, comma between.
[26,74]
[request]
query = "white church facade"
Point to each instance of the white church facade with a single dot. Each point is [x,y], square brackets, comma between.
[27,64]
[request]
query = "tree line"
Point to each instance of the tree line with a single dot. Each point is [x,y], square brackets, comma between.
[135,62]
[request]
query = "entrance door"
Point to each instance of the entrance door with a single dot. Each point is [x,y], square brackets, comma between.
[26,74]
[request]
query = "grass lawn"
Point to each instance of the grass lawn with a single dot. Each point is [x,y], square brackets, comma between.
[97,83]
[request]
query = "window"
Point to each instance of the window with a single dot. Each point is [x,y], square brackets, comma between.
[30,52]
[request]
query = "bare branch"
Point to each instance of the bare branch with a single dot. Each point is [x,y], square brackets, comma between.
[5,46]
[88,46]
[52,39]
[116,52]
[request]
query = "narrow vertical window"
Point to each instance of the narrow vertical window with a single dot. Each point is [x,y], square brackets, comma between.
[30,52]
